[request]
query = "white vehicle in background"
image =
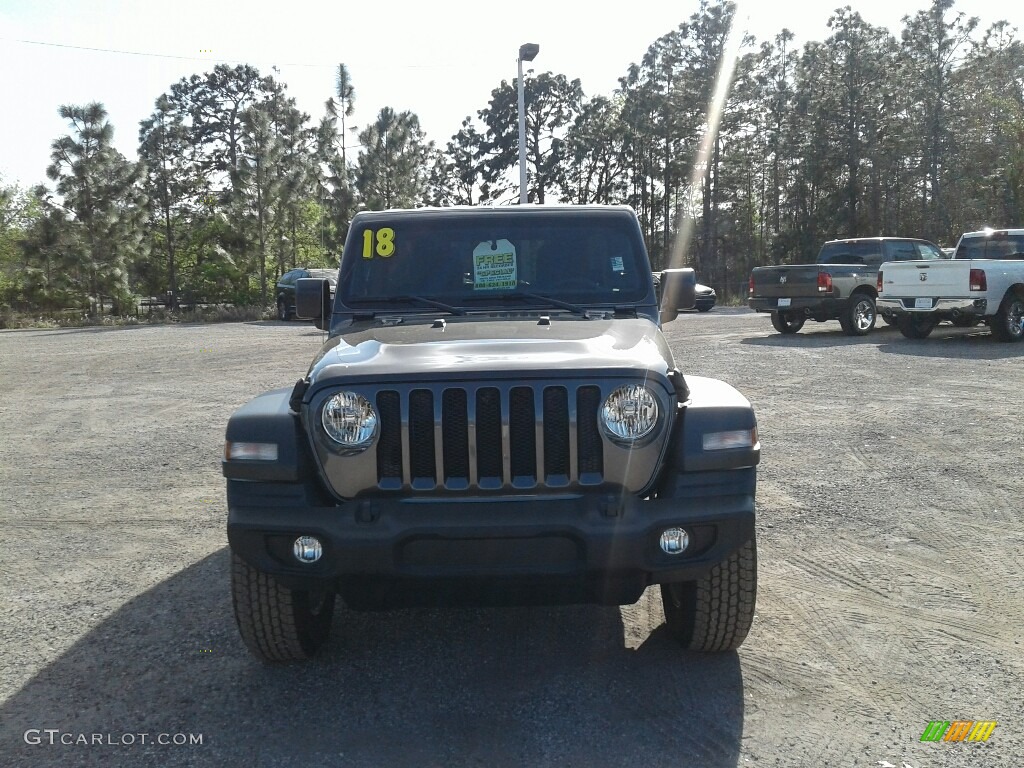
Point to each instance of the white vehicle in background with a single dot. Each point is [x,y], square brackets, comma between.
[984,281]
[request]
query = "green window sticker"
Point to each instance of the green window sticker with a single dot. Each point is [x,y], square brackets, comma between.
[494,265]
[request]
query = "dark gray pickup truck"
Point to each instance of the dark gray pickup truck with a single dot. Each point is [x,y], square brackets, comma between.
[495,417]
[840,286]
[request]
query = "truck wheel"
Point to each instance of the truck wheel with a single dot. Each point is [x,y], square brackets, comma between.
[889,319]
[714,613]
[859,316]
[278,624]
[1008,324]
[787,322]
[916,326]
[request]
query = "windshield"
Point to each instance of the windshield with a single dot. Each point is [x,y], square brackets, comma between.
[479,260]
[999,245]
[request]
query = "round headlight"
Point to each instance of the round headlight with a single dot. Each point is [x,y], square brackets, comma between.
[349,419]
[630,412]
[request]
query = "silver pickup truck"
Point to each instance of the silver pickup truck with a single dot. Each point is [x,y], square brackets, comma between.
[840,286]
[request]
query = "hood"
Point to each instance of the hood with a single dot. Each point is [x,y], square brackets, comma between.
[470,347]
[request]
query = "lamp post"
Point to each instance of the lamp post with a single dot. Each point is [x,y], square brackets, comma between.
[527,52]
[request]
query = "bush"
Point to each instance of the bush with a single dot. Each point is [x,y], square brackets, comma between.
[77,318]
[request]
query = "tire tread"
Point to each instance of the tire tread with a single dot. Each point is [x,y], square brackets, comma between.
[716,611]
[270,618]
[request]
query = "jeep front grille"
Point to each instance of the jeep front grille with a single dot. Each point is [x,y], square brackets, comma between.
[489,437]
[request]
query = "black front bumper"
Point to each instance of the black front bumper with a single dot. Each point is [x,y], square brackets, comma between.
[599,539]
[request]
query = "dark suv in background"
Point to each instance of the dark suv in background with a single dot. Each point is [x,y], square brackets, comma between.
[285,289]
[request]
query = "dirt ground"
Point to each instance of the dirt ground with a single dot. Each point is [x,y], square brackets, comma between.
[891,591]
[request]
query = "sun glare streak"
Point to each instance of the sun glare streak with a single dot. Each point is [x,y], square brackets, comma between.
[723,82]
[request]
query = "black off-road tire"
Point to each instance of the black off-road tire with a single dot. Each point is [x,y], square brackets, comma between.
[714,613]
[787,322]
[915,326]
[889,319]
[859,316]
[278,624]
[1008,323]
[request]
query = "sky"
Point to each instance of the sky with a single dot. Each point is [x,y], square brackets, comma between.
[439,60]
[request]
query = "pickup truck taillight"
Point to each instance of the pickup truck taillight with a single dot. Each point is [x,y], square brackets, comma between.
[750,285]
[878,282]
[978,280]
[824,282]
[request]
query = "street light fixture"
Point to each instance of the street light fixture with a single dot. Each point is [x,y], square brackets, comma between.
[527,52]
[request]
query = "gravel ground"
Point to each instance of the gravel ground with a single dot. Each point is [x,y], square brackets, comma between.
[889,536]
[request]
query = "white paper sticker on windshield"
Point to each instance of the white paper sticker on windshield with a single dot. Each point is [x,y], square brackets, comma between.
[494,265]
[617,265]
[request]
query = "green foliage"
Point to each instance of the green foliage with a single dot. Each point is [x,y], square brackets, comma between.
[551,103]
[102,197]
[392,171]
[19,212]
[917,131]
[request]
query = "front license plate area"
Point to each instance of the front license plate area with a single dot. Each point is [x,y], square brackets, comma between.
[784,302]
[922,303]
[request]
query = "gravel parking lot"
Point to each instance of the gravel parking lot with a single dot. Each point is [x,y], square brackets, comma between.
[891,590]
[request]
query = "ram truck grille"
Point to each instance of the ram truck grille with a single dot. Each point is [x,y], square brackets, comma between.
[489,437]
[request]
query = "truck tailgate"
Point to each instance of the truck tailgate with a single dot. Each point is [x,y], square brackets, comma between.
[791,280]
[932,279]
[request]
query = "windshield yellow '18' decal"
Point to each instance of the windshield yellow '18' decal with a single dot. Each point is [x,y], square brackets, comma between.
[380,243]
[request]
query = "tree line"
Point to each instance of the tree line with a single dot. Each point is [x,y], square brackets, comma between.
[865,133]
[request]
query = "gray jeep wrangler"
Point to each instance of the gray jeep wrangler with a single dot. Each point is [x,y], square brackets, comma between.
[494,418]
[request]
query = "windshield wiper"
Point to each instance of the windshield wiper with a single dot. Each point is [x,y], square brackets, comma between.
[574,308]
[409,299]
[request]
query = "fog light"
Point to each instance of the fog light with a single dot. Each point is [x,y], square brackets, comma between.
[674,541]
[307,549]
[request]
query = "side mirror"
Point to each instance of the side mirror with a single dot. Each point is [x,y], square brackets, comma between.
[313,300]
[678,291]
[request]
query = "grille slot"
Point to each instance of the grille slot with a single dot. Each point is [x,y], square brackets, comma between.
[455,425]
[421,438]
[522,436]
[556,435]
[489,437]
[389,444]
[590,455]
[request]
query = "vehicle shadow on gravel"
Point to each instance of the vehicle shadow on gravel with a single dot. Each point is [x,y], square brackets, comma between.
[823,337]
[955,343]
[417,687]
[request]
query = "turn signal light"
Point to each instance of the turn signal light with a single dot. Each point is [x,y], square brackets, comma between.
[250,451]
[824,282]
